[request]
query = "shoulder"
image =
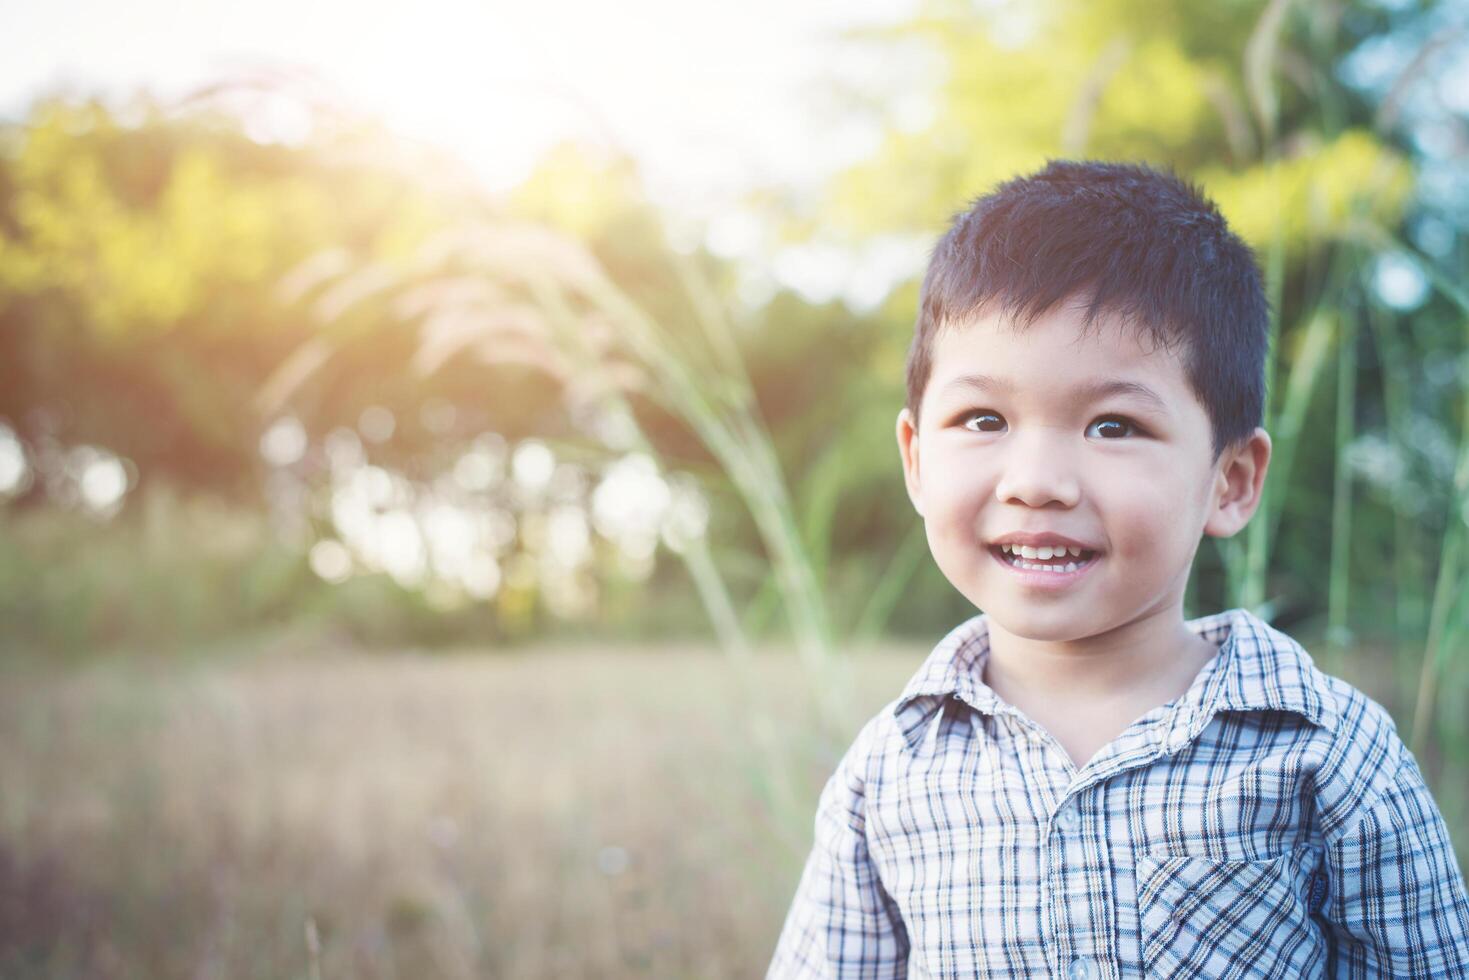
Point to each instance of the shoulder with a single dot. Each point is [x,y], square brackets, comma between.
[1353,747]
[871,753]
[887,742]
[1364,758]
[858,775]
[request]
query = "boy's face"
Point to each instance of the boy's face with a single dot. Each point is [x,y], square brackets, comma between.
[1011,442]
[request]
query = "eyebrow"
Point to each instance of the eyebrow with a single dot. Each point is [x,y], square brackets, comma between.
[1086,393]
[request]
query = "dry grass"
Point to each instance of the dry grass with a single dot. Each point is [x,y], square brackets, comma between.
[556,813]
[549,813]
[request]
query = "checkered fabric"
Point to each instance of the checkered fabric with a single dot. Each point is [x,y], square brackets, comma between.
[1268,823]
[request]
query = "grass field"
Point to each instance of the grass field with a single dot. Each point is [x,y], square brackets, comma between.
[556,813]
[548,813]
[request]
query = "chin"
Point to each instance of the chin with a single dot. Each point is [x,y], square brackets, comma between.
[1052,626]
[1040,634]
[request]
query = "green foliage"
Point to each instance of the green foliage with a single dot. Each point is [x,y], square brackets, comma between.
[1167,84]
[138,266]
[169,575]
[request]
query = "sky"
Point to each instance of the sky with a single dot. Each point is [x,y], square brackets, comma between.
[710,96]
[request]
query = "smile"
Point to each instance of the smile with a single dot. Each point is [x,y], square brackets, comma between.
[1056,573]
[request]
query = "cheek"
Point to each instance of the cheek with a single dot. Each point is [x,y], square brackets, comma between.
[1155,515]
[954,497]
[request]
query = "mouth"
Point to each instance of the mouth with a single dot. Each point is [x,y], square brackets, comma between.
[1058,570]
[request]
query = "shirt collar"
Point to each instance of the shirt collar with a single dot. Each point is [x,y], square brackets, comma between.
[1259,668]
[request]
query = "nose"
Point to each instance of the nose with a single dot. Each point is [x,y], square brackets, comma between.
[1037,472]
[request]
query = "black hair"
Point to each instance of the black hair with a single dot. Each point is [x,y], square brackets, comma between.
[1130,241]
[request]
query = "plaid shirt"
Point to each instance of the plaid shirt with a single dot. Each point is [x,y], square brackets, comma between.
[1268,823]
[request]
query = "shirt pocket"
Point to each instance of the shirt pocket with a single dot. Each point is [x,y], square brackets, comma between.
[1203,917]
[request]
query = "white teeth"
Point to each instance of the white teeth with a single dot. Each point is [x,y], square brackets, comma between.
[1043,553]
[1070,566]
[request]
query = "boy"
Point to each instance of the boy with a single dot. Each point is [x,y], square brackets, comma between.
[1078,782]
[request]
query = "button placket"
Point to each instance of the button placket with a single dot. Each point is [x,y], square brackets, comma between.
[1072,851]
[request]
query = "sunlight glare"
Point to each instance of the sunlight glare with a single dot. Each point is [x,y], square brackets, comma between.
[533,465]
[331,561]
[14,469]
[629,503]
[284,443]
[1400,281]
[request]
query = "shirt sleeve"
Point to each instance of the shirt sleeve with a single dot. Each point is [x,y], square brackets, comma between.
[1397,905]
[842,923]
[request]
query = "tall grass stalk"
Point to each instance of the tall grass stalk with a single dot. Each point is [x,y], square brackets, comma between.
[806,599]
[1247,578]
[721,411]
[1408,612]
[777,777]
[888,591]
[1338,632]
[1447,591]
[1318,335]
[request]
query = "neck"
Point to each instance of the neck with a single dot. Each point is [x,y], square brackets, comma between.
[1153,658]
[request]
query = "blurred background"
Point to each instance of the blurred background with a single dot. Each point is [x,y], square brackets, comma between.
[450,524]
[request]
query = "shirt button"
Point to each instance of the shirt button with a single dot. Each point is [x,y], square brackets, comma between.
[1081,968]
[1177,739]
[1068,819]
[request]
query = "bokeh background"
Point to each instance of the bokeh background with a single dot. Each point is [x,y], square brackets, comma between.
[449,519]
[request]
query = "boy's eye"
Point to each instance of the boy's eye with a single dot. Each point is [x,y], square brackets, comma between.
[1117,425]
[983,421]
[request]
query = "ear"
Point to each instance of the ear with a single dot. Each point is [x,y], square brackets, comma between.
[908,449]
[1237,485]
